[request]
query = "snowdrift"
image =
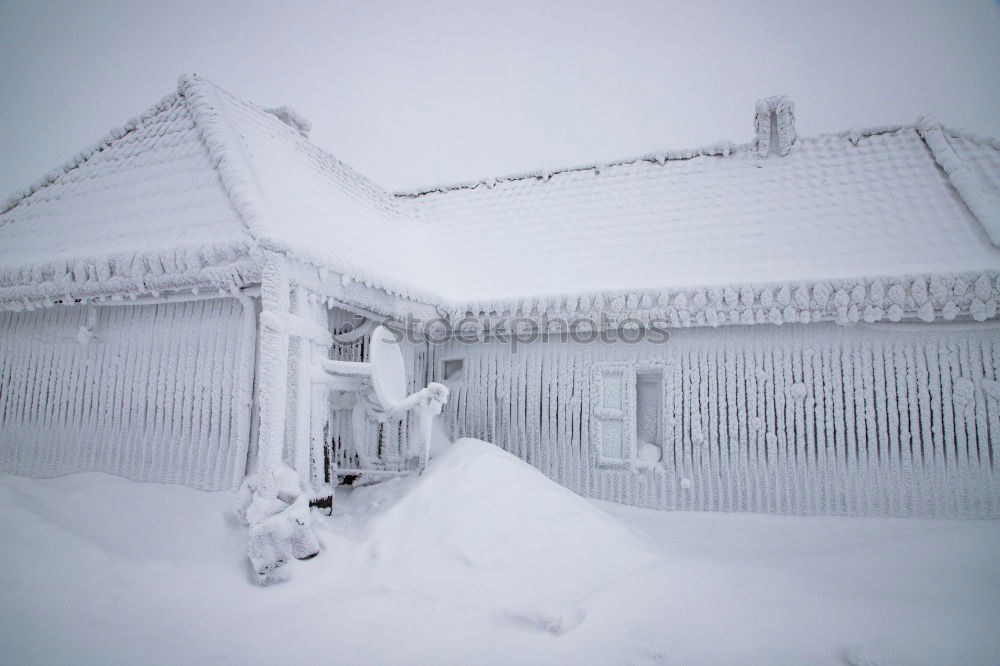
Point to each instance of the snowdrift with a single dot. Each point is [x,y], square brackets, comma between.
[481,517]
[450,569]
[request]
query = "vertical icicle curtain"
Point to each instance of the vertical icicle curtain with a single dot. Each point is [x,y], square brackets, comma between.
[149,392]
[817,419]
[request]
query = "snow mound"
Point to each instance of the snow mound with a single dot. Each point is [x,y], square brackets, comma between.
[556,621]
[481,517]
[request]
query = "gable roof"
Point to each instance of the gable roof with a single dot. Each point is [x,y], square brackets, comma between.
[200,181]
[182,196]
[145,201]
[298,199]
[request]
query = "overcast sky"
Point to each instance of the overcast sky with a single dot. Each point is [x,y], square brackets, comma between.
[413,93]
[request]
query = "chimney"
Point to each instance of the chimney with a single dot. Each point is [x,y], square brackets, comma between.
[774,122]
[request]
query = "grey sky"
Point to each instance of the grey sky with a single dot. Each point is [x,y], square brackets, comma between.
[413,93]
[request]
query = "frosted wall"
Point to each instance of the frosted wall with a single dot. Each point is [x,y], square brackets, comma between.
[151,392]
[806,419]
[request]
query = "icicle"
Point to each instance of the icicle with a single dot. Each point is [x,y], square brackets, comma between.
[896,294]
[983,288]
[858,294]
[872,314]
[939,290]
[877,294]
[926,312]
[978,310]
[802,297]
[821,294]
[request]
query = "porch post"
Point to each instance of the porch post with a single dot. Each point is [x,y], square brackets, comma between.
[303,395]
[275,302]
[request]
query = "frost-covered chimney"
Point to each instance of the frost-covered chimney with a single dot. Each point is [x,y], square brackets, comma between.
[774,122]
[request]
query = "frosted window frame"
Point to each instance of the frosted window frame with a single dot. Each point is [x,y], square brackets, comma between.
[626,415]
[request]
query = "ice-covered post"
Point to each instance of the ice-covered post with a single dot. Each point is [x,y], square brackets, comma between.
[320,398]
[275,301]
[303,385]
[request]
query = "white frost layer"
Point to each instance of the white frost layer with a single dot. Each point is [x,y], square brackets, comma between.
[156,393]
[145,203]
[799,419]
[97,569]
[204,176]
[837,207]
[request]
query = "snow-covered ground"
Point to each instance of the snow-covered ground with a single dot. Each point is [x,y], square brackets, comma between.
[483,560]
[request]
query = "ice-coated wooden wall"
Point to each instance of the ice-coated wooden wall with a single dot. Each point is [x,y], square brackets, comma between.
[155,393]
[805,419]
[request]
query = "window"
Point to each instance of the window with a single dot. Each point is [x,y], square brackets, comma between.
[649,416]
[452,369]
[627,409]
[614,424]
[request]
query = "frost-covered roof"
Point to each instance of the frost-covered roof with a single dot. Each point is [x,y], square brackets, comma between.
[204,177]
[836,206]
[192,186]
[145,201]
[304,202]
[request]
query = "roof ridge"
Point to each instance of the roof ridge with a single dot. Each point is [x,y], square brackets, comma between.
[131,125]
[723,148]
[961,176]
[227,155]
[978,139]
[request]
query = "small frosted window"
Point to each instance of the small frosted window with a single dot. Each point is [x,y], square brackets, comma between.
[612,439]
[614,414]
[649,416]
[649,394]
[453,369]
[612,390]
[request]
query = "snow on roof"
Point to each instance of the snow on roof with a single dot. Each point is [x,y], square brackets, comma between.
[145,201]
[837,206]
[297,199]
[198,180]
[205,175]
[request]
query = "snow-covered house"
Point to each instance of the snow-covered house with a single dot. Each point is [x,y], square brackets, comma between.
[802,325]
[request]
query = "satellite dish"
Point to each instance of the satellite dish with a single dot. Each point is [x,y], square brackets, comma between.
[388,367]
